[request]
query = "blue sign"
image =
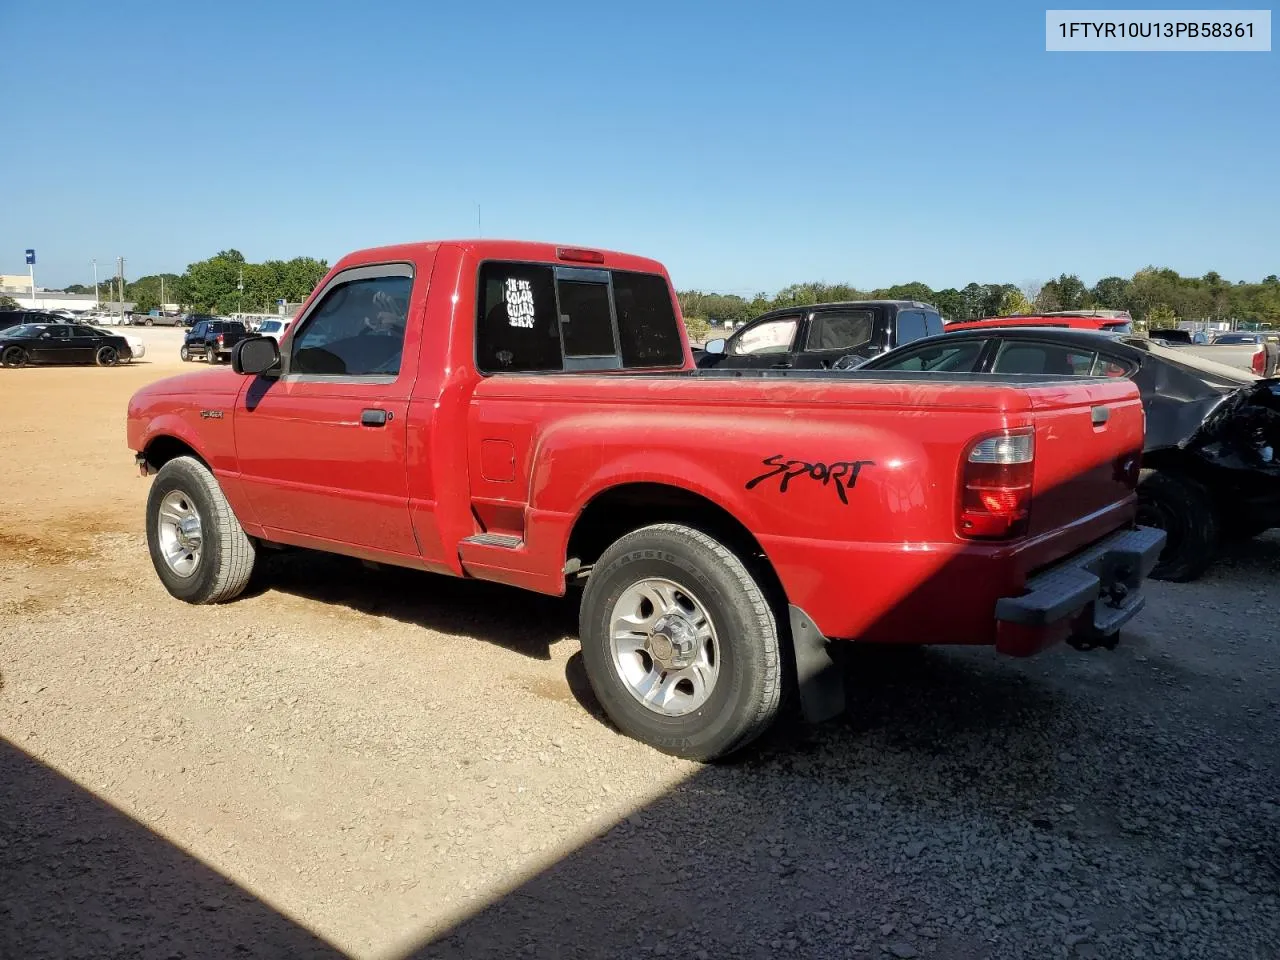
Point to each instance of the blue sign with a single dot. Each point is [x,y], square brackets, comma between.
[281,302]
[31,255]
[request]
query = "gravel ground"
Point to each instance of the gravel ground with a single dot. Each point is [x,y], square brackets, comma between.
[357,763]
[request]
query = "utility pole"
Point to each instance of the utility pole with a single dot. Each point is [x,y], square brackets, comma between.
[240,287]
[97,304]
[120,282]
[162,301]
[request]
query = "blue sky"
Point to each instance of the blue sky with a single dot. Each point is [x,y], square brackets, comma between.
[745,145]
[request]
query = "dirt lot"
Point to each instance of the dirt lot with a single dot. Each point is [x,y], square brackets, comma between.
[389,765]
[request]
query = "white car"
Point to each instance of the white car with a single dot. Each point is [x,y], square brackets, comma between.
[275,329]
[137,346]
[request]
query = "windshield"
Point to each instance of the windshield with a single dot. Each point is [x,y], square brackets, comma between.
[269,326]
[1235,338]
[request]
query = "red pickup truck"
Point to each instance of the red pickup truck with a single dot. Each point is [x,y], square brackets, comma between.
[531,414]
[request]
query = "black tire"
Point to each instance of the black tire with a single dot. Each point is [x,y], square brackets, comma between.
[1184,509]
[227,555]
[14,357]
[149,322]
[107,356]
[210,355]
[748,688]
[185,354]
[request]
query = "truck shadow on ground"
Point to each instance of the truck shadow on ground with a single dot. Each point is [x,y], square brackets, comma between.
[520,621]
[818,842]
[829,841]
[1257,555]
[79,878]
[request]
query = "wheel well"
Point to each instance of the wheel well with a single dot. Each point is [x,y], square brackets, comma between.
[165,448]
[622,509]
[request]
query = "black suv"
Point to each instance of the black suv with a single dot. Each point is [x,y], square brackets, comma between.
[212,340]
[14,318]
[822,336]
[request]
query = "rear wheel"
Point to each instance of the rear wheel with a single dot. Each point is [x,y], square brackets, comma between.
[680,643]
[1184,509]
[210,356]
[197,546]
[149,322]
[13,357]
[107,357]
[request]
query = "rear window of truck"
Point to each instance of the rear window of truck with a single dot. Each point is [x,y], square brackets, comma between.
[535,317]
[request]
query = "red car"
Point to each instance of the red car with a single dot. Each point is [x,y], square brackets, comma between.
[531,414]
[1107,321]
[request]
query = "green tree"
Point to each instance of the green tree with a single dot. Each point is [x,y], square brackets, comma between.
[145,302]
[1014,303]
[1110,293]
[1161,317]
[950,303]
[212,285]
[1066,292]
[8,303]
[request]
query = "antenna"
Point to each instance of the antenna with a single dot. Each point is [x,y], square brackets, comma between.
[479,229]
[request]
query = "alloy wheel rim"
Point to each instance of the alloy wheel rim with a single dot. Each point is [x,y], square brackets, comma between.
[664,647]
[180,533]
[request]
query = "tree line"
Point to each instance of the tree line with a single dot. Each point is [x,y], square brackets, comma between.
[224,283]
[1156,296]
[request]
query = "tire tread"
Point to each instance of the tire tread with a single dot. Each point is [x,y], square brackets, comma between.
[236,554]
[767,654]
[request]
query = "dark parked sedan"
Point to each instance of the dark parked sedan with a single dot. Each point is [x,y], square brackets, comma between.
[1210,469]
[61,343]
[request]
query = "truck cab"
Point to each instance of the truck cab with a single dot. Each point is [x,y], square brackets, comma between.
[822,336]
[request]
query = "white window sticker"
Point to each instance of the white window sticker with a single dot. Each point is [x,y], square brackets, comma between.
[519,297]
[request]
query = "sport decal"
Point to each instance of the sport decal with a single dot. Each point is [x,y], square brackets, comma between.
[843,473]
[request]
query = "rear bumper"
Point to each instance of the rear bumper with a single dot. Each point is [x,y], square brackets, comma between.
[1089,596]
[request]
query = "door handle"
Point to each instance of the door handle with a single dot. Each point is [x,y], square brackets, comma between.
[1100,415]
[374,418]
[785,365]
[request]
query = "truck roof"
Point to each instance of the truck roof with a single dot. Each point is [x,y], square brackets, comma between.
[537,251]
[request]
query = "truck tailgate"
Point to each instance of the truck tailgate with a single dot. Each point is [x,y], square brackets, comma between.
[1088,450]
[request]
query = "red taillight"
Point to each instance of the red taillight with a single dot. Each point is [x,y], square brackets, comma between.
[995,487]
[219,339]
[579,255]
[1259,362]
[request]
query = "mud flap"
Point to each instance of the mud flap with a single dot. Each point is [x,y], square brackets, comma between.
[818,675]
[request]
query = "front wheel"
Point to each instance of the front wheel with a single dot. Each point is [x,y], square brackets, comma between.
[14,357]
[1184,509]
[680,643]
[185,354]
[107,357]
[197,546]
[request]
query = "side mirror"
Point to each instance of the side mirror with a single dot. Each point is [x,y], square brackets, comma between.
[256,356]
[714,346]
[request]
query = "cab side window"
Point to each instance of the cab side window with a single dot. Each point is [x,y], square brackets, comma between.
[772,336]
[357,329]
[840,330]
